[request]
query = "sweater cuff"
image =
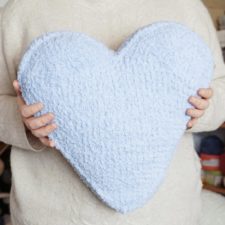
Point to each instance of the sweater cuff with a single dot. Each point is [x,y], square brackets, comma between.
[34,142]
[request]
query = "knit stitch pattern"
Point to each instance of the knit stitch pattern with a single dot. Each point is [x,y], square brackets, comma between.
[120,114]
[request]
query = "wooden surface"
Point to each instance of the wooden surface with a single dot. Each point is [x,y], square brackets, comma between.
[219,190]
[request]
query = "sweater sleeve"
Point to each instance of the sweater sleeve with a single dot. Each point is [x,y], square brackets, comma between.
[214,115]
[12,128]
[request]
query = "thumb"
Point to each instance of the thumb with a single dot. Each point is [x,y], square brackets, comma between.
[17,87]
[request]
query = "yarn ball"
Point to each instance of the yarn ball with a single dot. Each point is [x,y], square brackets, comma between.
[212,145]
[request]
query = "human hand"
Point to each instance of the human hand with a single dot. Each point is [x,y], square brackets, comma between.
[37,125]
[200,104]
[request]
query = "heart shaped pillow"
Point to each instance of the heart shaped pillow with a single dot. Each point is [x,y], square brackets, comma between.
[120,114]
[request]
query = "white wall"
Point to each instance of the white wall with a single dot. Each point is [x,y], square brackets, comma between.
[2,2]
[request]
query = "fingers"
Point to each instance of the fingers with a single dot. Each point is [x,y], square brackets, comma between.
[38,126]
[195,113]
[192,122]
[37,122]
[199,103]
[205,92]
[47,142]
[20,100]
[44,131]
[30,110]
[26,110]
[16,87]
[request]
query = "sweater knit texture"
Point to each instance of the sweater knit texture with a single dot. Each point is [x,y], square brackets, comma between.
[120,114]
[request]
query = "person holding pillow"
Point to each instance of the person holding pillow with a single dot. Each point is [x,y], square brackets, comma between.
[45,189]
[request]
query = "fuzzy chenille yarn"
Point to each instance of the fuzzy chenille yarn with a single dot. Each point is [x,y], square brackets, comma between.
[120,114]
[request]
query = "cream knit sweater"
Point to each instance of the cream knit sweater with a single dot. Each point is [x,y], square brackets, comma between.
[45,189]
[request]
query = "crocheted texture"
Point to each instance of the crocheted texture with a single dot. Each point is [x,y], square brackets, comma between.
[120,114]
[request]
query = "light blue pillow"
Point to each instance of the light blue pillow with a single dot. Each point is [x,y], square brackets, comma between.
[120,114]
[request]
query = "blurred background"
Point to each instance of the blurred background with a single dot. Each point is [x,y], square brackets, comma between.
[2,2]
